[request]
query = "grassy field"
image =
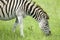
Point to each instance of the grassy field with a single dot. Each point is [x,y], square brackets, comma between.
[52,7]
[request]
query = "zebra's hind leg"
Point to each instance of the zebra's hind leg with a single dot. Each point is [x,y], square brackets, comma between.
[20,19]
[15,25]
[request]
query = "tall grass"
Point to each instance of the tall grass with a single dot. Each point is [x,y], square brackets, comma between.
[52,7]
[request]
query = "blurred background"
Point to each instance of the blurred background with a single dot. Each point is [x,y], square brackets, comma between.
[52,7]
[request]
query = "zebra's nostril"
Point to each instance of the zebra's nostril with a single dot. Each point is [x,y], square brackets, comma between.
[48,33]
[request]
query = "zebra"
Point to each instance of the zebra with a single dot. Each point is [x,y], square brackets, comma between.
[19,9]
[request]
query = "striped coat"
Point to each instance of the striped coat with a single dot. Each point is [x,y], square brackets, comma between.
[10,9]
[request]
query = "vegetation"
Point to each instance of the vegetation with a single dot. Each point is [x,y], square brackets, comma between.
[52,7]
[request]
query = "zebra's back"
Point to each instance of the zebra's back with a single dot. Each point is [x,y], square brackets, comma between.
[8,9]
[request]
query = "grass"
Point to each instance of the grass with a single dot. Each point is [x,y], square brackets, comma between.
[52,7]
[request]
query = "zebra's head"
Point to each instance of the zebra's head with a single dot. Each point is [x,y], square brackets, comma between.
[44,25]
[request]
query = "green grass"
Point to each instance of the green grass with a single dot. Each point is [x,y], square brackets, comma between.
[52,7]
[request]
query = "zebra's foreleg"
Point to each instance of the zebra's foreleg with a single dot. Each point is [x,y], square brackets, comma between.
[20,19]
[15,25]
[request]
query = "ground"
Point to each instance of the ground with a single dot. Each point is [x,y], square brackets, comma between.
[52,8]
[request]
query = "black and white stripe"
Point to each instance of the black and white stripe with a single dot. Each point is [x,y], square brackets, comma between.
[31,8]
[10,6]
[10,9]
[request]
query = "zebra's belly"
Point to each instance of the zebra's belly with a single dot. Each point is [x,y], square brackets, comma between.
[7,18]
[4,16]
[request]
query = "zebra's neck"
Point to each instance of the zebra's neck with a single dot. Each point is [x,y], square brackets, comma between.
[34,10]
